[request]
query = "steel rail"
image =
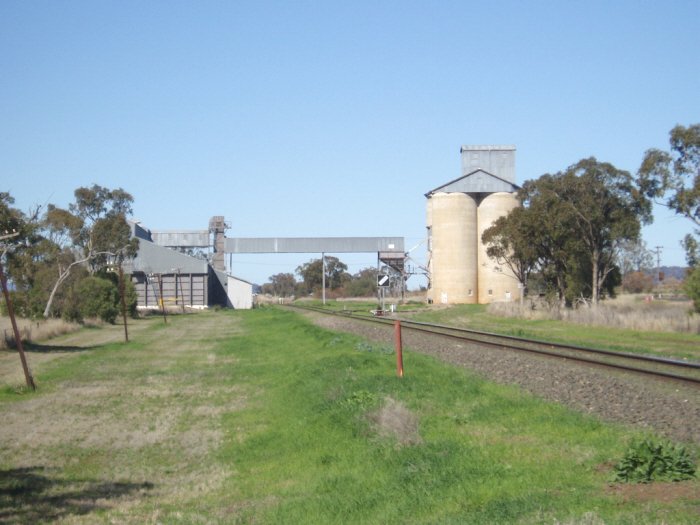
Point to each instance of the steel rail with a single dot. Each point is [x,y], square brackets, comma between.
[611,353]
[509,343]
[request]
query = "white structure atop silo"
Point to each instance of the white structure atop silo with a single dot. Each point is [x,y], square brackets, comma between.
[458,213]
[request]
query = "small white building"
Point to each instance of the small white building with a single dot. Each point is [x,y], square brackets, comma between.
[240,293]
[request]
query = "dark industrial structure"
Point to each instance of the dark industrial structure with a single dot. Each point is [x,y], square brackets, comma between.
[164,276]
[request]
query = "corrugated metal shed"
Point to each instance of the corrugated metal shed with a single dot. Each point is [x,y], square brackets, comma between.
[178,289]
[314,245]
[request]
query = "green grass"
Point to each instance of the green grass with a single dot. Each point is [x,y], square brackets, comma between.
[477,317]
[362,306]
[679,345]
[488,455]
[261,417]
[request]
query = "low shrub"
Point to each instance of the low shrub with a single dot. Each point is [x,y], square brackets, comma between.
[692,288]
[648,460]
[99,298]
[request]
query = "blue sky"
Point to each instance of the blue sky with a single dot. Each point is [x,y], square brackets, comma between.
[330,118]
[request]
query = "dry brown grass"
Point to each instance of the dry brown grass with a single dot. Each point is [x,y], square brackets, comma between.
[394,420]
[628,312]
[61,338]
[33,330]
[152,416]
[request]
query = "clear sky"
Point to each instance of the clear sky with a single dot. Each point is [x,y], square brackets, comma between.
[310,118]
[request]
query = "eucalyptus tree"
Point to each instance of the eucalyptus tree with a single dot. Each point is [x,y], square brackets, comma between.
[92,232]
[21,253]
[634,256]
[363,283]
[508,241]
[546,226]
[312,276]
[605,209]
[692,287]
[570,227]
[672,178]
[11,219]
[15,229]
[283,284]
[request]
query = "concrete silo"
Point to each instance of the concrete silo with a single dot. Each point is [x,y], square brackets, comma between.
[458,213]
[496,281]
[453,247]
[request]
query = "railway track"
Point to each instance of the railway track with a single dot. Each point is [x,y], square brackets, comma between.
[663,368]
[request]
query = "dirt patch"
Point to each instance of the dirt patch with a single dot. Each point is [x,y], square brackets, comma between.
[394,420]
[666,492]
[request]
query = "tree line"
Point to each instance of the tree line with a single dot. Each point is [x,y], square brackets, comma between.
[574,237]
[339,282]
[62,261]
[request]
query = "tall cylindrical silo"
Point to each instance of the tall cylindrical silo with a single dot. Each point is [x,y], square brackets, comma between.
[429,246]
[453,248]
[496,281]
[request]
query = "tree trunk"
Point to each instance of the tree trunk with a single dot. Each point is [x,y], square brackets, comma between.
[562,291]
[18,337]
[595,285]
[64,275]
[61,277]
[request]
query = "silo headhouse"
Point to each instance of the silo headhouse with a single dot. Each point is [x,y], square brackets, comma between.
[458,213]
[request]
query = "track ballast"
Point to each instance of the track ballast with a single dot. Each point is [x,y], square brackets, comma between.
[659,367]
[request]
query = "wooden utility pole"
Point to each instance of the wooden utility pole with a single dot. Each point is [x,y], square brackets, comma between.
[399,348]
[323,277]
[11,312]
[658,264]
[162,300]
[182,292]
[123,300]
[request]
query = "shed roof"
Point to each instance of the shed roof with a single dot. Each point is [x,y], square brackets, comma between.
[152,258]
[477,181]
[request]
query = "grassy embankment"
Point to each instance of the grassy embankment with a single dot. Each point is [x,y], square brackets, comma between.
[680,345]
[259,416]
[607,331]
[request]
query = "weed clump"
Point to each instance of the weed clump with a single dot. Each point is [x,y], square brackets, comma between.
[395,421]
[367,347]
[648,460]
[360,399]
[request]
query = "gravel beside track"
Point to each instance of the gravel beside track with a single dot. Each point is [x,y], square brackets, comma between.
[669,409]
